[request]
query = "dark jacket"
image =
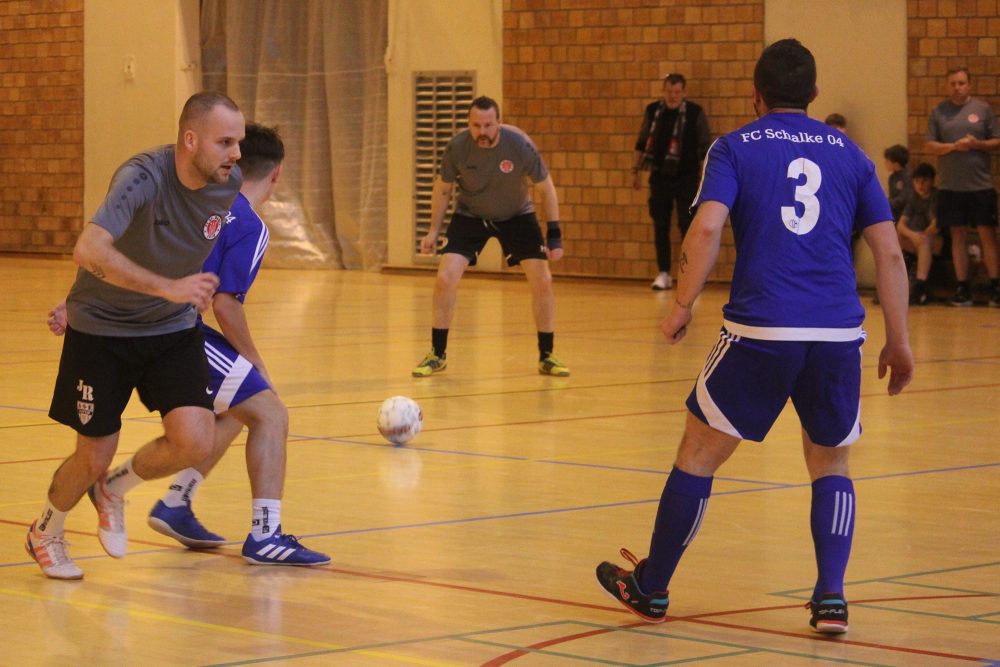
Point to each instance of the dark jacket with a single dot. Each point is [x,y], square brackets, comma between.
[694,144]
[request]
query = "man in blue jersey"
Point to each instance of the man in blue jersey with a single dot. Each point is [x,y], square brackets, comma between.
[794,190]
[240,386]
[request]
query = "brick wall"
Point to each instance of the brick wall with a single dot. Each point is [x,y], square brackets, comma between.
[41,125]
[944,34]
[577,76]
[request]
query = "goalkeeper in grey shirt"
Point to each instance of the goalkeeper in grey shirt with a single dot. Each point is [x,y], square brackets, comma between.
[492,166]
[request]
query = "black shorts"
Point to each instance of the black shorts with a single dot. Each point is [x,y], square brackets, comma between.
[520,238]
[98,373]
[977,208]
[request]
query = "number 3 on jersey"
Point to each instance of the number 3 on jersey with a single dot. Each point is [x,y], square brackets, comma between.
[805,194]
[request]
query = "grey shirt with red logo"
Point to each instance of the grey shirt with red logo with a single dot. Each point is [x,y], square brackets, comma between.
[493,183]
[160,225]
[963,171]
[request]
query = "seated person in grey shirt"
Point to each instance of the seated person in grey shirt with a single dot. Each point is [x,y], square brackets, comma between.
[918,230]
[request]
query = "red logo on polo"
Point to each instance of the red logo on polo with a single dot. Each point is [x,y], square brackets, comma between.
[973,118]
[212,227]
[506,166]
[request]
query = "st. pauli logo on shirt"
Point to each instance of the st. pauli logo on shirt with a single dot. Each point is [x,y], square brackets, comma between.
[212,227]
[973,118]
[506,166]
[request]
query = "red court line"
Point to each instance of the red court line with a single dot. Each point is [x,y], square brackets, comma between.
[699,618]
[696,618]
[25,525]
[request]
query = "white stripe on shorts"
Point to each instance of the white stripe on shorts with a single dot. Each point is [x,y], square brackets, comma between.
[712,413]
[855,433]
[795,333]
[231,384]
[217,360]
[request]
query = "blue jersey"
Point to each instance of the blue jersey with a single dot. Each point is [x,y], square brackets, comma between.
[796,190]
[239,249]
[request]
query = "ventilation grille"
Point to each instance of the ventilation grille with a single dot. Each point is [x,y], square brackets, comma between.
[441,110]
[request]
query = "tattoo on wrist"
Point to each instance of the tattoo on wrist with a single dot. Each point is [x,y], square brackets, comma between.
[685,306]
[683,261]
[97,271]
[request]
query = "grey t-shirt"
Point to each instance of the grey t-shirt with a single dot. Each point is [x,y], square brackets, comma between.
[493,182]
[160,225]
[963,171]
[920,212]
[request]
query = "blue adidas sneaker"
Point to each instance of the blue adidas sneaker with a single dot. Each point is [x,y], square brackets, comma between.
[280,549]
[181,524]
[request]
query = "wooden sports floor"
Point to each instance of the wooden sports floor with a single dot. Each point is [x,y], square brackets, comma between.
[476,544]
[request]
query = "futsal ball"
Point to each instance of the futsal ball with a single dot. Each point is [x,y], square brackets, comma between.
[399,419]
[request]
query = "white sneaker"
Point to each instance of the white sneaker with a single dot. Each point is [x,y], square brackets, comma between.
[50,552]
[663,281]
[111,519]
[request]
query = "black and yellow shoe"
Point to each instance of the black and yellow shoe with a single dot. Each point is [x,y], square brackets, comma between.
[431,364]
[551,365]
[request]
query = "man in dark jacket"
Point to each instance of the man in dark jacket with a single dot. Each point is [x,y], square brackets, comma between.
[672,142]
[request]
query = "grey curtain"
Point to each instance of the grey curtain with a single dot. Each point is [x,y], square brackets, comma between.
[315,69]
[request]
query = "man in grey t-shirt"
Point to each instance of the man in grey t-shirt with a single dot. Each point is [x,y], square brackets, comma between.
[131,324]
[961,131]
[492,166]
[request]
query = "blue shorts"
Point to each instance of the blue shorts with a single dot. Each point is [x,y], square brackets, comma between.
[233,379]
[747,382]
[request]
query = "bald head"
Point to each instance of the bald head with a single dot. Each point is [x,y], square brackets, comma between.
[199,106]
[208,140]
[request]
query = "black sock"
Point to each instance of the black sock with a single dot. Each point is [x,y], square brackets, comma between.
[439,339]
[963,285]
[545,344]
[994,283]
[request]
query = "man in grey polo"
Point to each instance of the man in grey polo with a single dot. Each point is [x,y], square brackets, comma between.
[132,325]
[492,165]
[961,132]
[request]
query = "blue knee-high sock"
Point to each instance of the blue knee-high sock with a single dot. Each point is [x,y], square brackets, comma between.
[832,520]
[682,507]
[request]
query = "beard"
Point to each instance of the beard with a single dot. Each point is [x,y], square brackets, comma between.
[209,172]
[485,140]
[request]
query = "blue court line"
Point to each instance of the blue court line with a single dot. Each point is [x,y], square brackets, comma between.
[506,457]
[19,407]
[769,484]
[516,515]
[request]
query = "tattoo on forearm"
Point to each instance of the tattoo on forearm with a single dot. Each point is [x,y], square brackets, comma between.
[97,270]
[683,261]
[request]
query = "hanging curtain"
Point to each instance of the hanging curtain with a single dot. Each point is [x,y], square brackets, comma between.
[314,68]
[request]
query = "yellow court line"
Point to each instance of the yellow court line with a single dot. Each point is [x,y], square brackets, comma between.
[215,627]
